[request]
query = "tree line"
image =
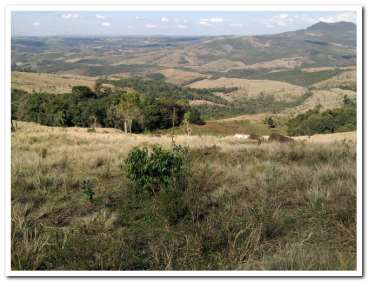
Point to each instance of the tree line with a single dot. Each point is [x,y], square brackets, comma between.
[125,109]
[315,121]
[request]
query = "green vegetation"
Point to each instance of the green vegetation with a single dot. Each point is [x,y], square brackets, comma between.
[186,194]
[260,104]
[330,121]
[119,109]
[295,76]
[159,88]
[160,169]
[299,77]
[88,189]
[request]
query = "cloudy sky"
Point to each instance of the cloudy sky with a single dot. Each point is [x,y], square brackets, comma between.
[78,23]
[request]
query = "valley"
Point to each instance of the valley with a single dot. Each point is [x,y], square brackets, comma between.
[213,152]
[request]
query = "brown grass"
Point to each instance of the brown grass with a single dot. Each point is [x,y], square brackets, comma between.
[267,207]
[51,83]
[180,77]
[253,88]
[327,98]
[347,78]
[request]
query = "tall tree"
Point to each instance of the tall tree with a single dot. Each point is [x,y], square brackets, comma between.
[129,109]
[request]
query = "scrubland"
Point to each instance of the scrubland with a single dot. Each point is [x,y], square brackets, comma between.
[248,206]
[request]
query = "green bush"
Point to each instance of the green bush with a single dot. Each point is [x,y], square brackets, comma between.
[83,92]
[329,121]
[88,189]
[158,169]
[158,178]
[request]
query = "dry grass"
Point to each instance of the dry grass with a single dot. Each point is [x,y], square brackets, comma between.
[253,88]
[347,78]
[328,138]
[252,117]
[283,63]
[327,98]
[180,77]
[204,102]
[268,207]
[51,83]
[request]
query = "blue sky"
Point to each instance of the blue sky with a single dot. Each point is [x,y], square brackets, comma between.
[79,23]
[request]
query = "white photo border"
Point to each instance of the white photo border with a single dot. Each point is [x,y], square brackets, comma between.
[359,193]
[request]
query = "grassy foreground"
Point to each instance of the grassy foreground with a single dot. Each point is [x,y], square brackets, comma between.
[256,207]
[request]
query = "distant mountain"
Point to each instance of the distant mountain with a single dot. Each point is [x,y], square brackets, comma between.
[322,44]
[324,27]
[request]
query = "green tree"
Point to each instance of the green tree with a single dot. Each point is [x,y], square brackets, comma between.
[83,92]
[128,109]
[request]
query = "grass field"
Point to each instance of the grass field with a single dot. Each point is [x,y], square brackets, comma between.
[252,88]
[51,83]
[227,127]
[266,207]
[325,98]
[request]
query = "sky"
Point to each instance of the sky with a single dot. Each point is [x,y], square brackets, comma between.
[171,23]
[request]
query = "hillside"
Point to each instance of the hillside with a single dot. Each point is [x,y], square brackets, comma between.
[247,206]
[221,76]
[184,152]
[45,82]
[322,44]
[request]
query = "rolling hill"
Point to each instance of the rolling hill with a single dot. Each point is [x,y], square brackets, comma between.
[322,44]
[222,76]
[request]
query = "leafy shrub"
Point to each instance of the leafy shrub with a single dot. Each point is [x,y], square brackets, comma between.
[158,177]
[156,170]
[88,189]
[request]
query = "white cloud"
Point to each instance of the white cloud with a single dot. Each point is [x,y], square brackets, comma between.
[280,21]
[181,26]
[138,18]
[236,25]
[105,24]
[216,20]
[36,24]
[151,26]
[100,17]
[70,16]
[206,23]
[164,19]
[212,20]
[283,20]
[346,17]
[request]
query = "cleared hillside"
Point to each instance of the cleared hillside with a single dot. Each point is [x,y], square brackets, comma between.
[320,45]
[252,88]
[45,82]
